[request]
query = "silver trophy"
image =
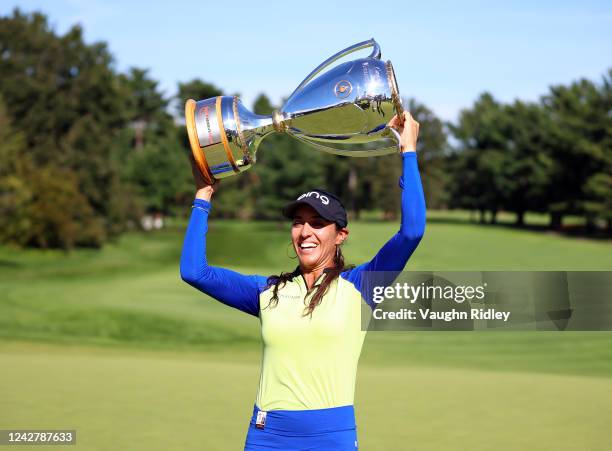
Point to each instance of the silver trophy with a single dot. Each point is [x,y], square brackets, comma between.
[344,111]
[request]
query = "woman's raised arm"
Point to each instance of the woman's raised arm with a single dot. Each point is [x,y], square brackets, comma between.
[229,287]
[394,255]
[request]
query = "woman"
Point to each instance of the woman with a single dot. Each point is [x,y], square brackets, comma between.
[311,317]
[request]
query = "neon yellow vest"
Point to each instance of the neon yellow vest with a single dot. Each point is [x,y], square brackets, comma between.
[309,362]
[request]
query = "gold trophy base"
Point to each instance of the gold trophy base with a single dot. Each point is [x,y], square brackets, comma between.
[198,153]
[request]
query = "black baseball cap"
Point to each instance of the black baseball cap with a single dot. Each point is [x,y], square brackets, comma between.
[328,205]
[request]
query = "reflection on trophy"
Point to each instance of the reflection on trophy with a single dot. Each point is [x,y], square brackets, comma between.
[338,111]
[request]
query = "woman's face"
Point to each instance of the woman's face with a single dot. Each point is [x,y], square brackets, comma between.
[315,238]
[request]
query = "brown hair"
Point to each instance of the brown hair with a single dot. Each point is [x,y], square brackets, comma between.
[330,274]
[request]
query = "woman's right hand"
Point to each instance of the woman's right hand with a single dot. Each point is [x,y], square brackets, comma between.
[203,189]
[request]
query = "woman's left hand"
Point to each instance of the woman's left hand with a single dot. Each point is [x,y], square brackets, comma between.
[409,132]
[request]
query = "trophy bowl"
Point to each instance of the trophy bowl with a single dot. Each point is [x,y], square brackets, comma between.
[344,110]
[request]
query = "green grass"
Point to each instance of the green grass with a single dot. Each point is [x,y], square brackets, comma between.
[154,400]
[130,291]
[135,359]
[446,246]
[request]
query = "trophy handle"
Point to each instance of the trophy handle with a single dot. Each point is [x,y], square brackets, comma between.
[342,53]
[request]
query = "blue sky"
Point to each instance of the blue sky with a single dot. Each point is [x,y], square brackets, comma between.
[445,53]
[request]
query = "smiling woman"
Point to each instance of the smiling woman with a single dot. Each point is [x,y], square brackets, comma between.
[318,231]
[310,317]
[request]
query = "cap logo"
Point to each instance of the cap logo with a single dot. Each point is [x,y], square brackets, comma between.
[324,199]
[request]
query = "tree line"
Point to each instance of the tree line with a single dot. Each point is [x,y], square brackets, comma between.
[86,150]
[553,156]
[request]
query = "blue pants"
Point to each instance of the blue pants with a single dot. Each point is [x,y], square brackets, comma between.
[300,430]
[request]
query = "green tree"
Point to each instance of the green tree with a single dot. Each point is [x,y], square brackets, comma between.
[145,106]
[528,166]
[40,205]
[598,187]
[579,143]
[152,153]
[262,105]
[15,194]
[65,99]
[161,175]
[477,168]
